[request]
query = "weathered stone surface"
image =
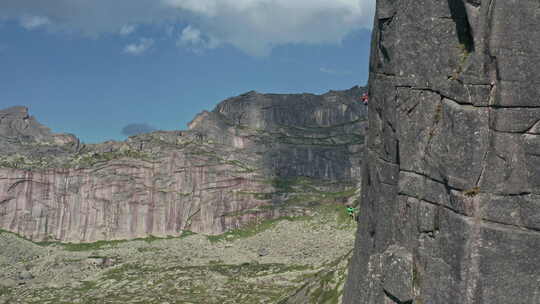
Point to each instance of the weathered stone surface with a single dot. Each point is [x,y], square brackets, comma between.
[8,283]
[397,274]
[255,156]
[263,252]
[452,176]
[25,275]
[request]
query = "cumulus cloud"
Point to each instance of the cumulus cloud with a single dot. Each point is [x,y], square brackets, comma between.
[191,36]
[137,128]
[33,22]
[254,26]
[139,48]
[195,40]
[127,29]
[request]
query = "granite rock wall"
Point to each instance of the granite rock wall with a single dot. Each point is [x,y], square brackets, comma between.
[450,211]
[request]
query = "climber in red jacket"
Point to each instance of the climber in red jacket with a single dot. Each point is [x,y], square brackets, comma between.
[365,98]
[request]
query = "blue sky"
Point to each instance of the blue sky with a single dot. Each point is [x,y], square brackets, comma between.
[92,67]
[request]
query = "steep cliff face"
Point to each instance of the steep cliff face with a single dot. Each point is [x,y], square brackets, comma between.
[255,156]
[451,207]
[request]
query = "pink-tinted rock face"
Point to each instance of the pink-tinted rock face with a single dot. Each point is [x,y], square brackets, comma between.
[126,198]
[237,164]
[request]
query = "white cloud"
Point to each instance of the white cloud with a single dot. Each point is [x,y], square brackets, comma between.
[127,29]
[195,40]
[254,26]
[204,7]
[139,48]
[190,36]
[33,22]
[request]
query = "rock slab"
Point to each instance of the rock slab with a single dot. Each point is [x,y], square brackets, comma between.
[450,211]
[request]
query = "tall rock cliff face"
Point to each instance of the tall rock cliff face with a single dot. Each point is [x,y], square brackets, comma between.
[255,156]
[451,207]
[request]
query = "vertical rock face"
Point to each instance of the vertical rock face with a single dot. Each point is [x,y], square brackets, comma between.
[255,156]
[451,207]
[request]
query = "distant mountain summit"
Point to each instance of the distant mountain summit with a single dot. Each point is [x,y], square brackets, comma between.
[23,134]
[17,125]
[254,156]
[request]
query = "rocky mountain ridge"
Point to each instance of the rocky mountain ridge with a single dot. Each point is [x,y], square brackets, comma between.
[253,157]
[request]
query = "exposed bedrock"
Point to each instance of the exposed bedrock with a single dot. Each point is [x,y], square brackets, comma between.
[450,211]
[255,156]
